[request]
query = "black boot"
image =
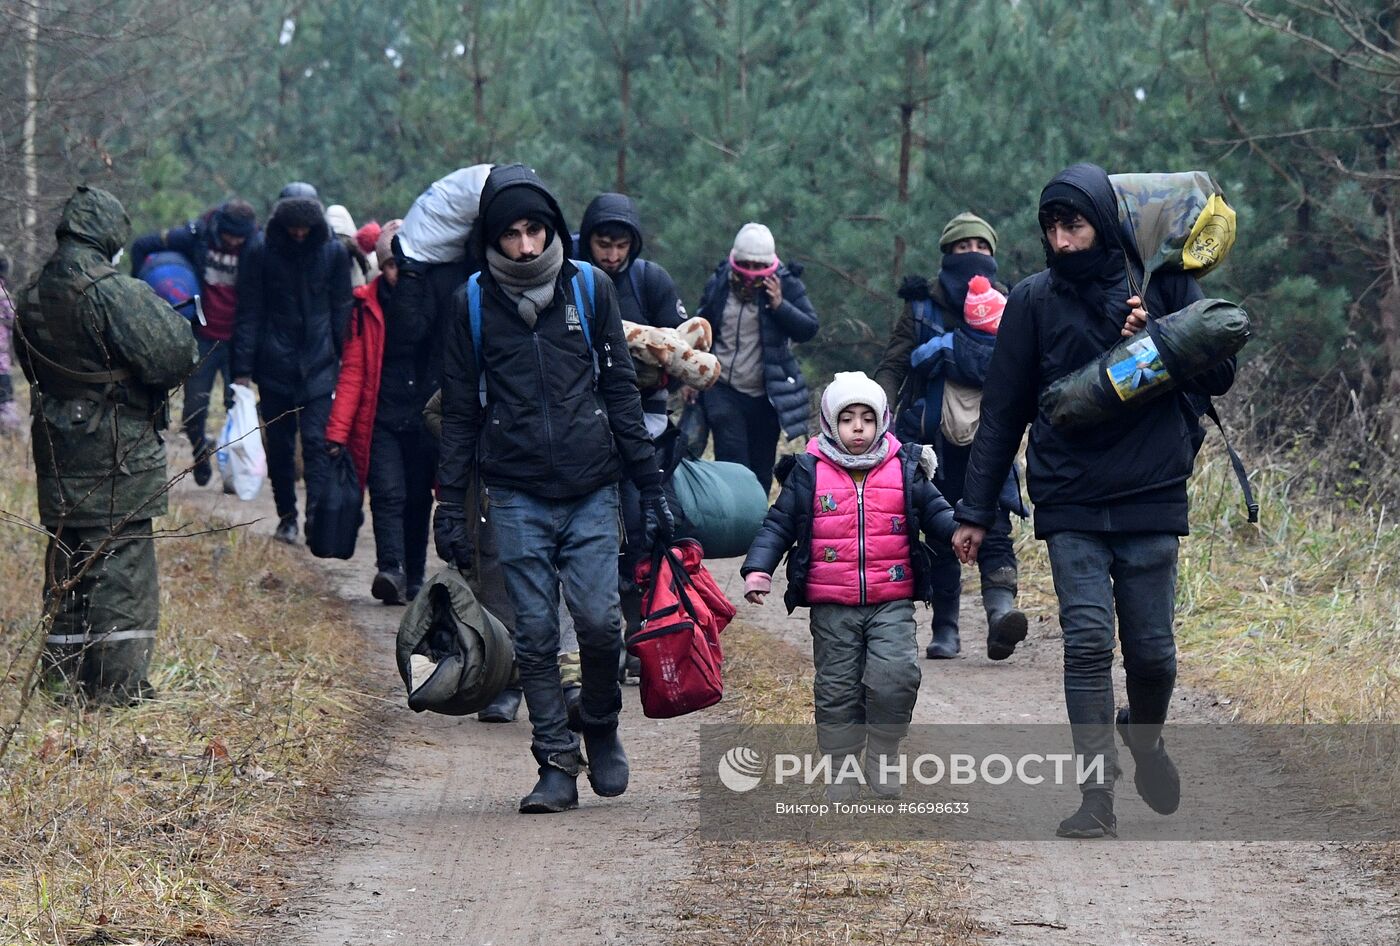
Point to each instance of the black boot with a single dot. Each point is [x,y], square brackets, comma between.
[607,763]
[287,530]
[1006,626]
[503,708]
[390,586]
[1154,774]
[573,702]
[1094,819]
[945,644]
[203,470]
[557,789]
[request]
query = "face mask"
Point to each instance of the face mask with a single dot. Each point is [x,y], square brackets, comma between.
[1081,266]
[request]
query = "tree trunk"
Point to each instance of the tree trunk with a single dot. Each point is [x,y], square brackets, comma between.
[29,151]
[1389,312]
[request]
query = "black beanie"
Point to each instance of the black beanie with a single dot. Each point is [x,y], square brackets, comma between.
[1062,192]
[521,202]
[236,218]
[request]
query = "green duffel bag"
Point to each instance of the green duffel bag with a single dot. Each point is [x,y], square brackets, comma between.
[721,504]
[454,656]
[1151,363]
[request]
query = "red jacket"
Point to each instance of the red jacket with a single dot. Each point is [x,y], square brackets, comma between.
[357,390]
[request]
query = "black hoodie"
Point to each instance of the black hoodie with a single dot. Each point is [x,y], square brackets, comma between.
[646,293]
[1129,476]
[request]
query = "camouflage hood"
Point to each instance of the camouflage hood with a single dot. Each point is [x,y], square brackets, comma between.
[95,217]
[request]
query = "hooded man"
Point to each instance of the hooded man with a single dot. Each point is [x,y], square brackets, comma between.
[757,307]
[101,352]
[934,366]
[213,244]
[1111,502]
[555,425]
[293,307]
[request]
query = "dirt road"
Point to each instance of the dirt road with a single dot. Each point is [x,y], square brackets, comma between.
[433,851]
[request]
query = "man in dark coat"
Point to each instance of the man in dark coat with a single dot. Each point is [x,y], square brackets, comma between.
[293,308]
[213,244]
[757,307]
[101,352]
[950,356]
[1110,502]
[556,424]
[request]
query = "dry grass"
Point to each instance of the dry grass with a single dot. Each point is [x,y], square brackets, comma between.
[177,820]
[790,893]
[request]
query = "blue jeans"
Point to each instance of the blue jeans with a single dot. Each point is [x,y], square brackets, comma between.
[1099,575]
[543,544]
[213,360]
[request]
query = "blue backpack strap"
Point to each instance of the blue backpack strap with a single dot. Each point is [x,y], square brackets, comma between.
[585,276]
[926,319]
[474,317]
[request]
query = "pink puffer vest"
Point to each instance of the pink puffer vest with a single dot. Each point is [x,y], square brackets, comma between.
[860,534]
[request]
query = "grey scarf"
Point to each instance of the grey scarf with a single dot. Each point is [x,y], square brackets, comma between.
[530,285]
[832,448]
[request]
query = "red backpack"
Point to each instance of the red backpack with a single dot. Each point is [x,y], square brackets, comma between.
[683,612]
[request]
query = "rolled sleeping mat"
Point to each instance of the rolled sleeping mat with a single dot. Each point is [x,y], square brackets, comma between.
[454,656]
[1155,361]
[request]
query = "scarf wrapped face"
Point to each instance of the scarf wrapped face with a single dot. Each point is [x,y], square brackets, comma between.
[829,441]
[528,283]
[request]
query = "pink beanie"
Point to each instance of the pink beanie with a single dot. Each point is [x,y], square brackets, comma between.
[984,305]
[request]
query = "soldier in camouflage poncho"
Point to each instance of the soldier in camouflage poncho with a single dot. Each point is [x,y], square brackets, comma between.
[101,351]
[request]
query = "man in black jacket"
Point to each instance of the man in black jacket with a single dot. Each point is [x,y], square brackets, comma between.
[293,307]
[1110,502]
[555,425]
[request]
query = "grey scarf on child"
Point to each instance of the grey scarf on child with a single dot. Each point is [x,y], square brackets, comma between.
[529,284]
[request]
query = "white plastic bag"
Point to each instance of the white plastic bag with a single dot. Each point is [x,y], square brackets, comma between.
[241,457]
[435,228]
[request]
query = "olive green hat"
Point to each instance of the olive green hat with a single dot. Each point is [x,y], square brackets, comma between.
[965,226]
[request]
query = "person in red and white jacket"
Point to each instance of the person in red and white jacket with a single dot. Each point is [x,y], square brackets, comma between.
[850,513]
[385,380]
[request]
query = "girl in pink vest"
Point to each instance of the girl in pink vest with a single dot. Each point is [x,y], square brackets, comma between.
[849,519]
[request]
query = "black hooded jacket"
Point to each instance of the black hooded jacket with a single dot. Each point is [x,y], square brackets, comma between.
[645,291]
[293,305]
[1126,477]
[549,427]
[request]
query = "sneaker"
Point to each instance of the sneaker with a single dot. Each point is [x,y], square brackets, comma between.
[1154,774]
[389,586]
[287,530]
[1094,819]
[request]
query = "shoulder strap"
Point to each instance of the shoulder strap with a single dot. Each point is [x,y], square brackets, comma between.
[585,276]
[636,274]
[1250,505]
[474,318]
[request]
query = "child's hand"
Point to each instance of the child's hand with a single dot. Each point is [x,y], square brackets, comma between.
[756,585]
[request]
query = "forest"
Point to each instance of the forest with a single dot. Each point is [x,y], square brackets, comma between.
[853,129]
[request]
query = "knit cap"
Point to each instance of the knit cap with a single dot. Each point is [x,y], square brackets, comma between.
[853,387]
[966,226]
[368,237]
[984,305]
[384,245]
[754,243]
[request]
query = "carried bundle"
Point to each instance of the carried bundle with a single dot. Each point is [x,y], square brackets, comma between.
[436,226]
[721,505]
[1151,363]
[454,656]
[173,278]
[1175,221]
[682,353]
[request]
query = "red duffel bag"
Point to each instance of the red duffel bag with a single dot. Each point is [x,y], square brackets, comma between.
[683,612]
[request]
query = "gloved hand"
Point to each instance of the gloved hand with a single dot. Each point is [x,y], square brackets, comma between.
[660,524]
[333,449]
[451,535]
[931,353]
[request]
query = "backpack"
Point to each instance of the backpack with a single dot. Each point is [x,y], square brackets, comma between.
[584,276]
[173,278]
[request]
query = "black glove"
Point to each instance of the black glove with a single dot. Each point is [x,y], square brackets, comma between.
[660,524]
[451,535]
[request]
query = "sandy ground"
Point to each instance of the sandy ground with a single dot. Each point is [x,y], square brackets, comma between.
[431,848]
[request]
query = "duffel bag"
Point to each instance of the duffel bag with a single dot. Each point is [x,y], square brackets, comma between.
[722,505]
[335,520]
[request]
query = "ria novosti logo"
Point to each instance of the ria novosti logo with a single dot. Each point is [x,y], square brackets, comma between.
[741,769]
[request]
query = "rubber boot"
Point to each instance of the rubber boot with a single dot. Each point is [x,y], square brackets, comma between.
[1006,626]
[573,702]
[607,763]
[1154,774]
[945,644]
[882,774]
[1094,819]
[504,707]
[557,788]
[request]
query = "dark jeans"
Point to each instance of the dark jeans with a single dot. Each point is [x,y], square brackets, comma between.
[745,430]
[283,419]
[402,465]
[543,544]
[997,549]
[213,360]
[1099,575]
